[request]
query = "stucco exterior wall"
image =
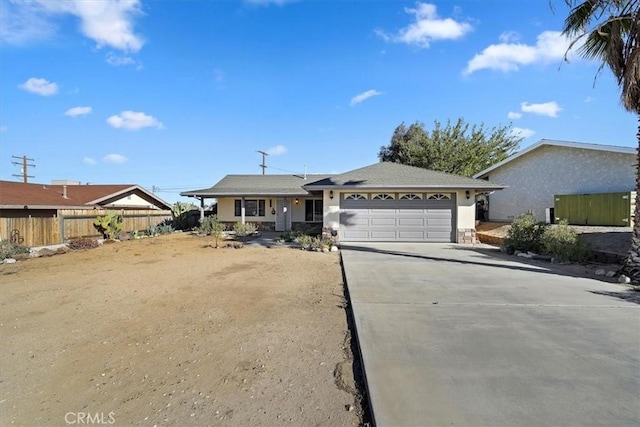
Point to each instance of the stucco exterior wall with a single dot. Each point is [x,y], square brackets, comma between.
[466,215]
[226,209]
[132,200]
[536,177]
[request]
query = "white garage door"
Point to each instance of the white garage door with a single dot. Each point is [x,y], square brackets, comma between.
[397,217]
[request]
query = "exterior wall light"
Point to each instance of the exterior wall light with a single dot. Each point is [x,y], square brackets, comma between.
[466,193]
[331,194]
[296,201]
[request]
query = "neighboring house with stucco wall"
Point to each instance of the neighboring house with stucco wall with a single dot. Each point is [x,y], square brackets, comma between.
[534,175]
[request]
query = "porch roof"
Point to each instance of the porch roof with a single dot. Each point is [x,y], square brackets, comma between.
[258,185]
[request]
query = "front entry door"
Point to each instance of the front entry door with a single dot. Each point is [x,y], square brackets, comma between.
[283,214]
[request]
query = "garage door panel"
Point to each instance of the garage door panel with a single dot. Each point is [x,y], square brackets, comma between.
[355,235]
[382,235]
[439,222]
[382,222]
[417,235]
[411,222]
[397,220]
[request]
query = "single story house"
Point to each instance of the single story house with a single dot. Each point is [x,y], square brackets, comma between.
[547,168]
[381,202]
[45,214]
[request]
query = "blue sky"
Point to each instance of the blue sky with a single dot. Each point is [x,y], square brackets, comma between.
[177,94]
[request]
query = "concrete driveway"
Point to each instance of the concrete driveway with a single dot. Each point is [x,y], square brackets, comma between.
[455,335]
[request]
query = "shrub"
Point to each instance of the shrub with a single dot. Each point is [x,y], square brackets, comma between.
[9,249]
[563,242]
[83,243]
[217,232]
[208,224]
[110,225]
[525,234]
[152,231]
[304,241]
[244,230]
[165,229]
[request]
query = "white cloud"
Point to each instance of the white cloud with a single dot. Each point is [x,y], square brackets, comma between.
[514,115]
[510,56]
[115,158]
[108,23]
[363,96]
[509,37]
[522,132]
[277,150]
[116,60]
[588,99]
[88,161]
[134,120]
[427,27]
[78,111]
[549,109]
[39,86]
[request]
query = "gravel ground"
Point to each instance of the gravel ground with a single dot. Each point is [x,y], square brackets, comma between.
[166,331]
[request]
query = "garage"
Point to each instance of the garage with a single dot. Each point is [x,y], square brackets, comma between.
[399,217]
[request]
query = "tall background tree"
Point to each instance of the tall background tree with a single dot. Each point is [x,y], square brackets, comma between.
[609,32]
[457,148]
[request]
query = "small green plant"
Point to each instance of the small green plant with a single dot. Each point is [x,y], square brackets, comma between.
[208,224]
[290,236]
[152,231]
[525,234]
[9,249]
[217,231]
[564,244]
[304,241]
[134,234]
[83,243]
[110,225]
[244,230]
[165,229]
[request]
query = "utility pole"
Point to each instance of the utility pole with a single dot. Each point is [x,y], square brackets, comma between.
[25,165]
[264,164]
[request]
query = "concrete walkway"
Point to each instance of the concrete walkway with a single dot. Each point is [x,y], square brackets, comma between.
[451,335]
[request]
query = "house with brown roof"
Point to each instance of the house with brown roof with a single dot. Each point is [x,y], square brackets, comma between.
[44,214]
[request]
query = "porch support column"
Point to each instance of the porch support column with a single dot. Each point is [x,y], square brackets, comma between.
[201,209]
[242,212]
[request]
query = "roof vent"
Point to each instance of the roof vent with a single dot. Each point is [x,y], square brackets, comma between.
[64,192]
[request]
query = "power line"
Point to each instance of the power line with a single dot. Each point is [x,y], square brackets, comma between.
[264,164]
[25,166]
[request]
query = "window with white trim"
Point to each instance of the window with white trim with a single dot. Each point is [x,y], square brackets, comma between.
[410,196]
[252,207]
[438,196]
[355,196]
[383,196]
[313,210]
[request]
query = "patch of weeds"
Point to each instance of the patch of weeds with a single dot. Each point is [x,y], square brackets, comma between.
[83,243]
[9,249]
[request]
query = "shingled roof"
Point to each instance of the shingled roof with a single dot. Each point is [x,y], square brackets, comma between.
[18,195]
[395,175]
[257,185]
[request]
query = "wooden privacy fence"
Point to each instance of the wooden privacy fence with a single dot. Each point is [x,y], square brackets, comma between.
[596,209]
[73,223]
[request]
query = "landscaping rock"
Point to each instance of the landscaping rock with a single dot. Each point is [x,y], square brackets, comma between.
[610,273]
[46,252]
[9,261]
[624,279]
[334,249]
[62,250]
[21,257]
[600,272]
[525,255]
[325,250]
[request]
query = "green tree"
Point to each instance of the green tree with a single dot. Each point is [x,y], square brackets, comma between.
[457,148]
[609,32]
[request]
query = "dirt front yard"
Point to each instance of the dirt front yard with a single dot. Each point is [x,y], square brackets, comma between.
[166,332]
